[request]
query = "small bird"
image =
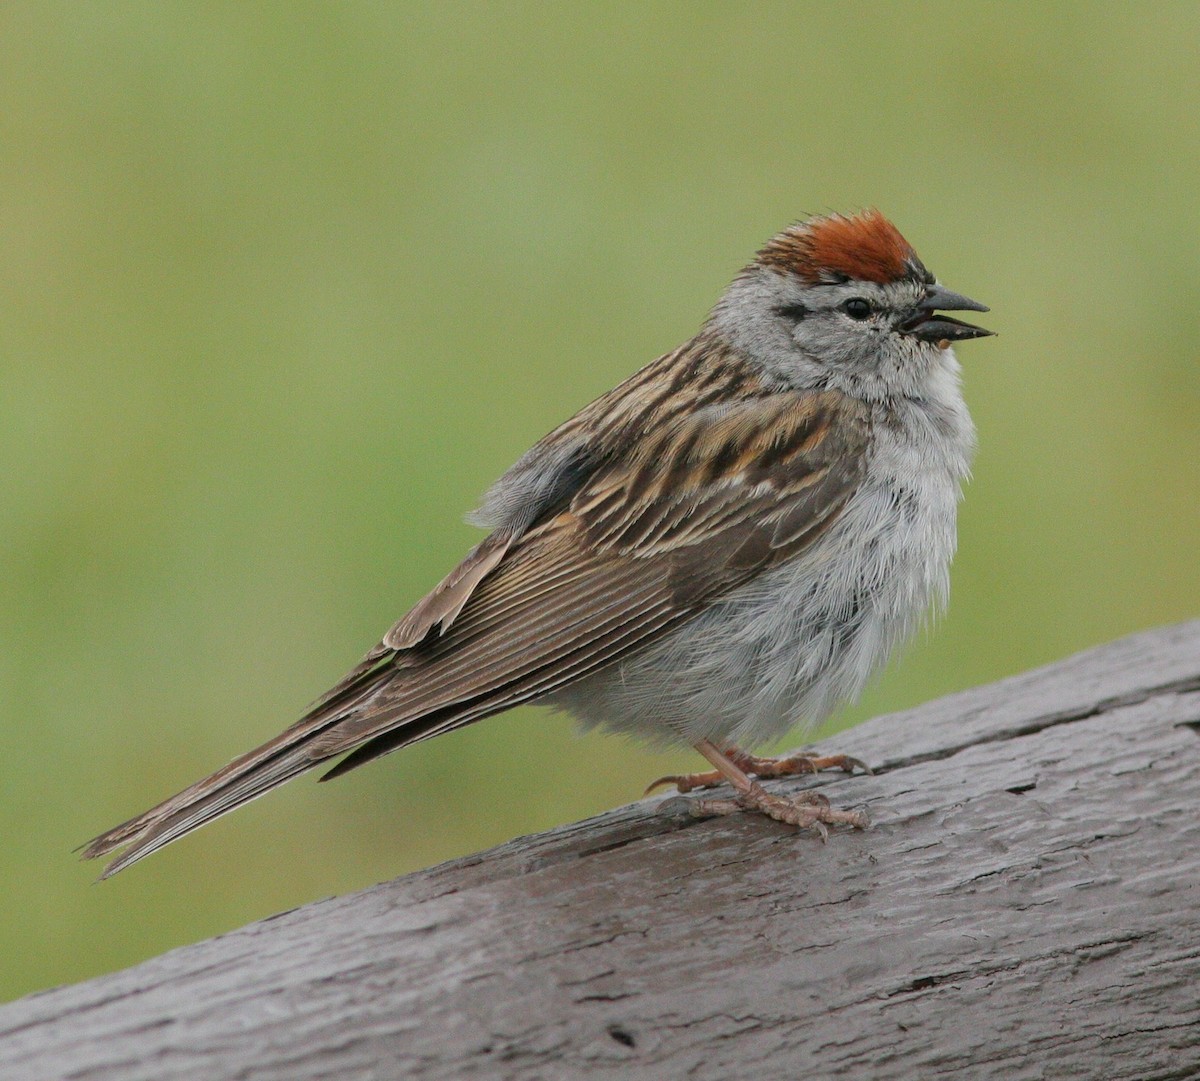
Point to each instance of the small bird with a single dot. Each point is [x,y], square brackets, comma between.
[724,546]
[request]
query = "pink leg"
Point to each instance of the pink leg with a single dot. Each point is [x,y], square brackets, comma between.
[809,810]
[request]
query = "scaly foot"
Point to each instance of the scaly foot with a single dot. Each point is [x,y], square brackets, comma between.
[808,810]
[756,766]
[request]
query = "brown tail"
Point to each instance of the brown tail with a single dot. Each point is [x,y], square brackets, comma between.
[299,748]
[245,778]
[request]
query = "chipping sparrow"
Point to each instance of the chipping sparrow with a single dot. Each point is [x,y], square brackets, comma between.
[725,545]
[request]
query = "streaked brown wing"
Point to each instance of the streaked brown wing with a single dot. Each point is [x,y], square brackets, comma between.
[646,543]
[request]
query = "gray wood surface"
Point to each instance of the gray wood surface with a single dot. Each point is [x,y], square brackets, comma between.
[1026,906]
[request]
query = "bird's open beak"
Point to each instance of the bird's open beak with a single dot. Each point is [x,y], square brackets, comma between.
[928,326]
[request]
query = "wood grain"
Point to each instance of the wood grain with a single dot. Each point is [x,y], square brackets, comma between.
[1027,905]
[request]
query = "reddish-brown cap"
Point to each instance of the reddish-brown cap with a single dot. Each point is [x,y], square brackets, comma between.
[863,247]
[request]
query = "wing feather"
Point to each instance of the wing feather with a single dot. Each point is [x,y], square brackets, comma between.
[682,547]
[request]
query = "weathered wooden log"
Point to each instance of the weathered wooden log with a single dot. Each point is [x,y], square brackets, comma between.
[1027,905]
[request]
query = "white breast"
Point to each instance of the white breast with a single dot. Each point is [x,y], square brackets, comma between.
[789,647]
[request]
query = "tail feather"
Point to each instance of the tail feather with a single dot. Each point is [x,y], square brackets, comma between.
[244,779]
[179,815]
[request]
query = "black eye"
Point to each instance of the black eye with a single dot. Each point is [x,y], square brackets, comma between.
[857,308]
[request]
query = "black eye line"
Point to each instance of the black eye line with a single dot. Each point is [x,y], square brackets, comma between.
[794,312]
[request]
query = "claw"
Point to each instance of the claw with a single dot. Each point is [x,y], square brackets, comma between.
[671,778]
[687,782]
[845,762]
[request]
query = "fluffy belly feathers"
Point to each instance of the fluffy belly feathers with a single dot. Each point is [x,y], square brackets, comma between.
[786,649]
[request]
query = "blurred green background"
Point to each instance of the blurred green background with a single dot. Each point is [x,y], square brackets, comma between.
[285,286]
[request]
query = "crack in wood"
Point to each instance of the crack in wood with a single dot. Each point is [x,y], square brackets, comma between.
[622,1036]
